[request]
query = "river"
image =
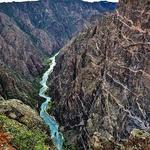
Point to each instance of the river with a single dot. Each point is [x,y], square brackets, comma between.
[50,121]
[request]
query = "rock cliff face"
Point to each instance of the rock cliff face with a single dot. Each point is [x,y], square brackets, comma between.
[101,82]
[12,85]
[17,51]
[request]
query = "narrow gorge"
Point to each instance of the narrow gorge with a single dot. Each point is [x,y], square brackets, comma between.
[50,121]
[75,75]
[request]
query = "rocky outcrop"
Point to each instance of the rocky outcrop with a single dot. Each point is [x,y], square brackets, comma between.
[101,80]
[137,140]
[22,128]
[17,110]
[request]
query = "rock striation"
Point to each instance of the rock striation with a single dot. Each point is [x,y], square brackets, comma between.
[102,78]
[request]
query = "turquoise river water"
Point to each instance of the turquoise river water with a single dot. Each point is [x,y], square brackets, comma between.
[50,121]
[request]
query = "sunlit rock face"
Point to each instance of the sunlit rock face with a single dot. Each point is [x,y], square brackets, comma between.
[17,110]
[101,81]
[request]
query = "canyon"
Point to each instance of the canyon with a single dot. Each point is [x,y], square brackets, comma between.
[29,33]
[99,87]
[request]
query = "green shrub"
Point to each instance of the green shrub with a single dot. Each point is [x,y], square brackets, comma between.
[23,138]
